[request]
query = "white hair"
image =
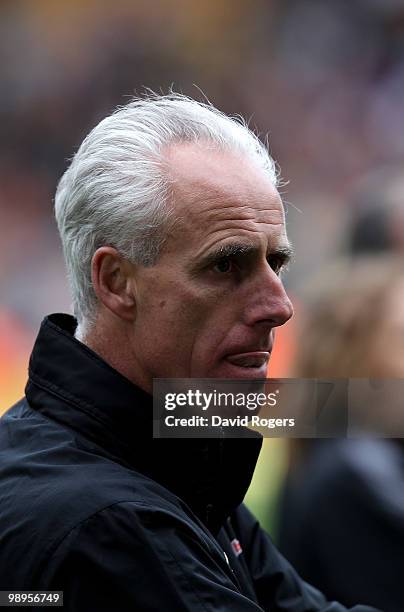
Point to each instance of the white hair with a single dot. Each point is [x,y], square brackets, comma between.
[116,190]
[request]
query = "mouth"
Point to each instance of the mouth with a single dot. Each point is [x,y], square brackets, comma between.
[250,360]
[249,365]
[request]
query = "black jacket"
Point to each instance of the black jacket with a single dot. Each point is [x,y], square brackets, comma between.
[90,504]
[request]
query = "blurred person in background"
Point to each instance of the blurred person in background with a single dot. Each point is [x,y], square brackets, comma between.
[376,219]
[342,514]
[174,238]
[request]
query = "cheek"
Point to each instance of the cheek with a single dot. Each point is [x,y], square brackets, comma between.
[206,322]
[181,322]
[170,323]
[184,315]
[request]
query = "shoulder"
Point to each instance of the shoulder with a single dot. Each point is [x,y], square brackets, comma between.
[52,486]
[133,555]
[126,527]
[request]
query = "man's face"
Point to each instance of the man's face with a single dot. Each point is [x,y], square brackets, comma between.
[209,306]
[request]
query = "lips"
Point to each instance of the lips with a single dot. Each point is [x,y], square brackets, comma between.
[252,359]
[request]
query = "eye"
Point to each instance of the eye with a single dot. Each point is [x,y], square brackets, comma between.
[275,263]
[223,265]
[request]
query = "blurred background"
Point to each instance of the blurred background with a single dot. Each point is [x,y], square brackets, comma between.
[324,81]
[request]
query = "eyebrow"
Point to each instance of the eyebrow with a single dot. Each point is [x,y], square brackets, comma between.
[283,253]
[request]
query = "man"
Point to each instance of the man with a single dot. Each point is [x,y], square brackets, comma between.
[174,238]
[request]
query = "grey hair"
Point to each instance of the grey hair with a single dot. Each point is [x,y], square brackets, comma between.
[116,190]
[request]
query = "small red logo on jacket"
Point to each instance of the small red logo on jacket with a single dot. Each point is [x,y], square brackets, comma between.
[236,546]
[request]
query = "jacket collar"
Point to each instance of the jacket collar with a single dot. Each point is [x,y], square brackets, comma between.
[71,384]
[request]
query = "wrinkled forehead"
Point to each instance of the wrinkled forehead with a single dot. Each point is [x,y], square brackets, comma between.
[221,190]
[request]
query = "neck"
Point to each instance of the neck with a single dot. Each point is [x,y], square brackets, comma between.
[112,344]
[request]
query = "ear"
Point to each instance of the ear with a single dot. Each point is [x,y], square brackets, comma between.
[112,280]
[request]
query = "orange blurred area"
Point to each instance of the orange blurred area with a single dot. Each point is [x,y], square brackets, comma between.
[15,347]
[284,351]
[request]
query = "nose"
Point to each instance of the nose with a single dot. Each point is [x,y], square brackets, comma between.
[269,304]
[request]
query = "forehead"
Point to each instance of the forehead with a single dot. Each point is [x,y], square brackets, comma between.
[220,194]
